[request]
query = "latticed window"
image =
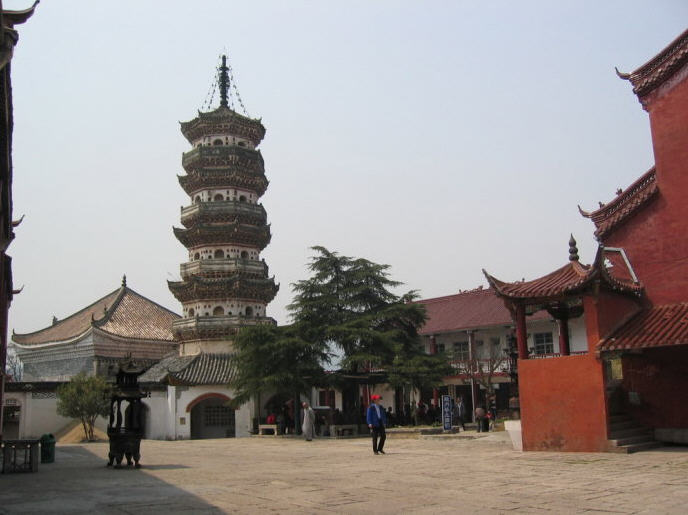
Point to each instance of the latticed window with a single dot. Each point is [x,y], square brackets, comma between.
[461,351]
[543,343]
[217,416]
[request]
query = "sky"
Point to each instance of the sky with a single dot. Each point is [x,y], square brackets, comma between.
[438,137]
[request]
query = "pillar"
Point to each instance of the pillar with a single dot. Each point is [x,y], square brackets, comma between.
[433,351]
[521,332]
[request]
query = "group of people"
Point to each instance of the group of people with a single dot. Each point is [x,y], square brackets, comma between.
[377,418]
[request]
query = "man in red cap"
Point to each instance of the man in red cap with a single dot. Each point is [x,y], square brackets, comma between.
[376,419]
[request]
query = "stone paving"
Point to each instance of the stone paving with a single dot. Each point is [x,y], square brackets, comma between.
[287,475]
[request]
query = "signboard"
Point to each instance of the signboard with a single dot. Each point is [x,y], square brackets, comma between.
[446,412]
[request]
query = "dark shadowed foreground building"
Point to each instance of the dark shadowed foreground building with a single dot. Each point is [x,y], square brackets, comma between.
[9,38]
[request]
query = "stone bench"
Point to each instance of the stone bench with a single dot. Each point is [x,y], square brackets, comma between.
[343,429]
[19,456]
[263,427]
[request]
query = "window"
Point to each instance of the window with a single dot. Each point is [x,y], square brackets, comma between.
[219,254]
[191,312]
[543,343]
[218,197]
[218,311]
[244,254]
[242,198]
[249,311]
[217,416]
[441,348]
[461,351]
[217,142]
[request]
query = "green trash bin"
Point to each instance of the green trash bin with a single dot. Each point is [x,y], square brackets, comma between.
[47,448]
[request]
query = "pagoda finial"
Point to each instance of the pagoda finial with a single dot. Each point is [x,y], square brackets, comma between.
[573,249]
[224,81]
[124,281]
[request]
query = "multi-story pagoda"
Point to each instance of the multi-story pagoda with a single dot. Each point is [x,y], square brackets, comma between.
[225,283]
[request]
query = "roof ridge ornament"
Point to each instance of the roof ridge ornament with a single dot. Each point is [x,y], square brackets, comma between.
[124,281]
[573,249]
[224,81]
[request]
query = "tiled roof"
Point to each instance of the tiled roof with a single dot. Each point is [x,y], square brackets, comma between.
[655,327]
[570,279]
[134,316]
[201,369]
[660,68]
[122,312]
[624,205]
[72,326]
[467,310]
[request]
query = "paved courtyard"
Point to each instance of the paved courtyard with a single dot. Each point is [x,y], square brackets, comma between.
[258,475]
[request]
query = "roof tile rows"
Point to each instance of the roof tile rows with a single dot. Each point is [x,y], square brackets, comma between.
[624,205]
[661,67]
[658,326]
[200,369]
[567,279]
[467,310]
[122,312]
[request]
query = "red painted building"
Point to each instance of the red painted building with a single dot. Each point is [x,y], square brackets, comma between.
[630,385]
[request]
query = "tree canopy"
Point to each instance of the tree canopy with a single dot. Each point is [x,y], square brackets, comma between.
[347,307]
[84,398]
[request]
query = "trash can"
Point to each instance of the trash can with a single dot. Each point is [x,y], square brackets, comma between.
[47,448]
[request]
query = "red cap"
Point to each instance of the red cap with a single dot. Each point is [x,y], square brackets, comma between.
[375,397]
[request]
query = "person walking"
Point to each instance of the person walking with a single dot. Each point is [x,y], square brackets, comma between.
[308,421]
[376,419]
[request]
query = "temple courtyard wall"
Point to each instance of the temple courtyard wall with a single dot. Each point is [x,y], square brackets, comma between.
[469,474]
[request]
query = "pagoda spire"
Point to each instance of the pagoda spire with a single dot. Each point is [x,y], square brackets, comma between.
[224,81]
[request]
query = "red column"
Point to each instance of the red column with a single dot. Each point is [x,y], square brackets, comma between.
[564,336]
[521,332]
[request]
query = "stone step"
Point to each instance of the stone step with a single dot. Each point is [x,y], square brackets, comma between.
[626,424]
[631,440]
[630,431]
[638,447]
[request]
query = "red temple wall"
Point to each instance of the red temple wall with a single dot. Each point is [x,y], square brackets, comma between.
[660,377]
[655,237]
[563,405]
[605,313]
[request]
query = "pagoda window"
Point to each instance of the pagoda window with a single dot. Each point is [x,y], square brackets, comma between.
[249,311]
[244,254]
[242,198]
[197,256]
[218,311]
[219,254]
[197,199]
[191,312]
[242,143]
[217,142]
[218,197]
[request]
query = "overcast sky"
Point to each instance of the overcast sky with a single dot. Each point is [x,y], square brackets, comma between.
[437,137]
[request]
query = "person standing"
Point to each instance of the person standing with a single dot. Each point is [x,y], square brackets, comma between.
[308,421]
[460,413]
[376,419]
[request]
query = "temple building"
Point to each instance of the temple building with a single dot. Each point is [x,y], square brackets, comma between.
[624,392]
[94,339]
[474,326]
[224,284]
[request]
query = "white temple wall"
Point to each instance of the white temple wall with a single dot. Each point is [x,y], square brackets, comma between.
[231,252]
[170,420]
[38,414]
[210,195]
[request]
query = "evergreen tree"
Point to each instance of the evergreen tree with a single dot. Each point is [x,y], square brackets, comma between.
[347,303]
[84,398]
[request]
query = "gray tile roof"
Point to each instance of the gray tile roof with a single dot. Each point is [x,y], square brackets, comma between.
[201,369]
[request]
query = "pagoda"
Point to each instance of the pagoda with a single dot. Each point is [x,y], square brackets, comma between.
[224,284]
